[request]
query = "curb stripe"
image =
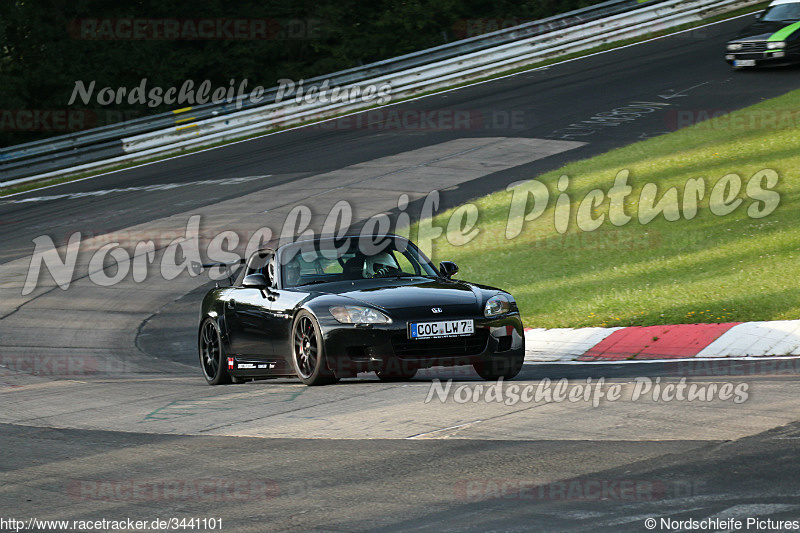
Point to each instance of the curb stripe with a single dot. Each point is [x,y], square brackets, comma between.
[657,342]
[780,337]
[666,342]
[562,344]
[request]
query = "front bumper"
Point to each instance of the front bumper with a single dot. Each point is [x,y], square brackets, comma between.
[762,58]
[352,349]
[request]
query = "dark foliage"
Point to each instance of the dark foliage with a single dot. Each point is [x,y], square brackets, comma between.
[42,54]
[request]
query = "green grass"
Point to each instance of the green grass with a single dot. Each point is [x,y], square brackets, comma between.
[708,269]
[533,65]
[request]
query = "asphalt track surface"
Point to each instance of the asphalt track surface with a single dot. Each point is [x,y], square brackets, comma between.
[438,466]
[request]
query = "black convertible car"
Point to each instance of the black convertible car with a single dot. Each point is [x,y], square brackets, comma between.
[327,308]
[774,39]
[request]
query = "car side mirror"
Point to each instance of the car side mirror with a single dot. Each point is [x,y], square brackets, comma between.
[255,281]
[448,269]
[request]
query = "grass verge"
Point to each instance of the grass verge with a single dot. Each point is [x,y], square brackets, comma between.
[739,263]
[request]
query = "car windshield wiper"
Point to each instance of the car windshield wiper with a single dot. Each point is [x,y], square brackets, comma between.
[314,282]
[404,275]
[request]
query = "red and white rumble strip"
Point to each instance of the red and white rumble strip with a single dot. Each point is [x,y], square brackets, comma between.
[681,341]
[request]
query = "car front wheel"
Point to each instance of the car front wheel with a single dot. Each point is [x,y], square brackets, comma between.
[495,367]
[308,351]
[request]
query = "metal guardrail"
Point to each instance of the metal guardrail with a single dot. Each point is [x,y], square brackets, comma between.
[409,74]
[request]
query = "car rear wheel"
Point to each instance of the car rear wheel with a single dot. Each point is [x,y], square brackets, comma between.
[212,354]
[308,351]
[495,367]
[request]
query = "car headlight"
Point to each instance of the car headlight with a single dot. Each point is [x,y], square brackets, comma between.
[497,305]
[776,44]
[356,314]
[734,46]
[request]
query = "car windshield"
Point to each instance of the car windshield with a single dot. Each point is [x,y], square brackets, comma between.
[311,262]
[782,12]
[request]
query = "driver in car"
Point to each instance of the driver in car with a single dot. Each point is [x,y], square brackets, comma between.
[379,265]
[292,273]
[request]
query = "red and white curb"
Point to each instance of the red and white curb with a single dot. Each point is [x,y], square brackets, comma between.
[648,343]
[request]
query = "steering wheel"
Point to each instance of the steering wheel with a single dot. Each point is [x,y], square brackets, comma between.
[383,271]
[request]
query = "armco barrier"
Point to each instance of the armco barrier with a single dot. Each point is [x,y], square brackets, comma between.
[408,75]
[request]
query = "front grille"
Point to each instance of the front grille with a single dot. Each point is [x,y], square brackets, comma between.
[454,346]
[752,46]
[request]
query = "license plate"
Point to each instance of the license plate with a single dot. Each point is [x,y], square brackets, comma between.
[438,330]
[744,62]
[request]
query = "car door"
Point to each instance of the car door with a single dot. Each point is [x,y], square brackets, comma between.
[280,322]
[248,313]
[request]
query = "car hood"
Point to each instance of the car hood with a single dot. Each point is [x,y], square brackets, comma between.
[760,31]
[404,293]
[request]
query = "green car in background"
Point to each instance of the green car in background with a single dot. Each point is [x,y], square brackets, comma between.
[774,39]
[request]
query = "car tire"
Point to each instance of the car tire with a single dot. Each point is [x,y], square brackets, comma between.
[495,367]
[212,354]
[308,351]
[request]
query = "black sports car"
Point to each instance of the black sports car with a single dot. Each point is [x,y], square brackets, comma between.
[774,39]
[326,308]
